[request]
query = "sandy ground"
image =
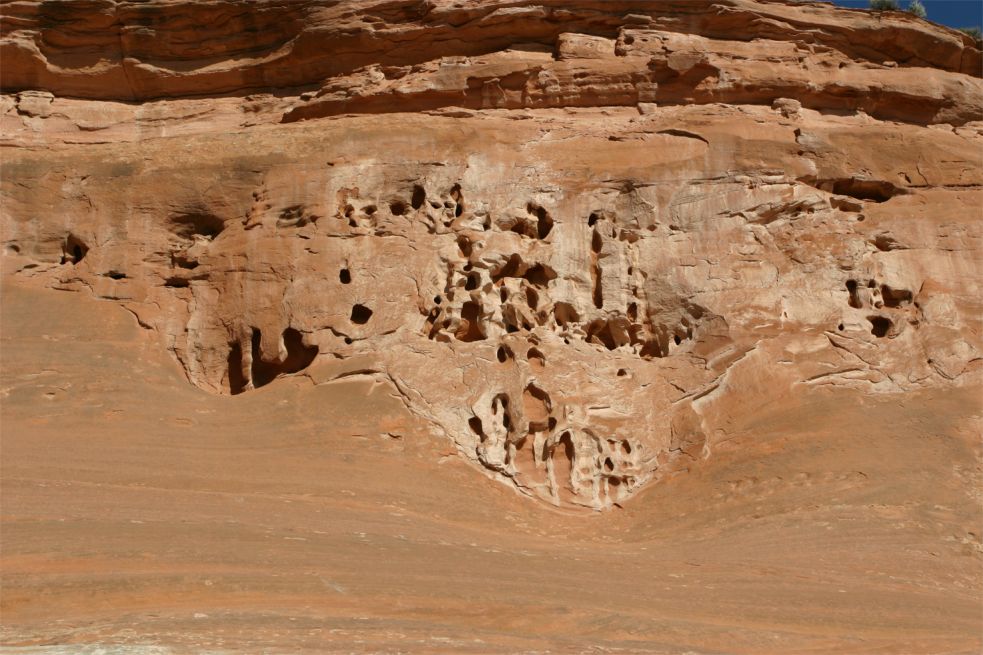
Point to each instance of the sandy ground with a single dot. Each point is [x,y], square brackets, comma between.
[144,516]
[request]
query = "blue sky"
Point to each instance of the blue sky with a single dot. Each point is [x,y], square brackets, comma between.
[954,13]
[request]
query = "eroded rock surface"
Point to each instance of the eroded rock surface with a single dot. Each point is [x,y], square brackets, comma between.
[569,235]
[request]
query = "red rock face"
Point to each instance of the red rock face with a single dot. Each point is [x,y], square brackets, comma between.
[500,326]
[571,236]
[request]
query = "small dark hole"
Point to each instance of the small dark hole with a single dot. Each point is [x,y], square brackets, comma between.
[348,341]
[345,276]
[622,372]
[361,314]
[879,325]
[419,197]
[677,340]
[437,300]
[398,208]
[840,327]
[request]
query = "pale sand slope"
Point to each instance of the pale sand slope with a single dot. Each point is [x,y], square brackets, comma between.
[140,511]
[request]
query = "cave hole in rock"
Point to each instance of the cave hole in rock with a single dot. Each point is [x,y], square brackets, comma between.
[564,314]
[851,286]
[608,464]
[626,446]
[437,300]
[538,275]
[116,275]
[237,381]
[470,328]
[564,456]
[177,282]
[360,314]
[397,207]
[464,244]
[369,210]
[593,219]
[875,190]
[544,222]
[596,242]
[895,297]
[345,276]
[475,424]
[188,225]
[600,331]
[504,354]
[880,325]
[473,281]
[458,199]
[523,227]
[535,357]
[622,372]
[536,406]
[183,260]
[503,293]
[633,312]
[597,295]
[677,340]
[652,348]
[74,250]
[501,402]
[840,327]
[418,197]
[299,357]
[532,298]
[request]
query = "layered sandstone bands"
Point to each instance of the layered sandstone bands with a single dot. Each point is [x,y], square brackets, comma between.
[611,223]
[705,50]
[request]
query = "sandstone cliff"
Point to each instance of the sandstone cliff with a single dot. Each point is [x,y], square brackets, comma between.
[575,237]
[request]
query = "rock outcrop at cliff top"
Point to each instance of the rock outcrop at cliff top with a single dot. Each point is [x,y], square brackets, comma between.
[571,235]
